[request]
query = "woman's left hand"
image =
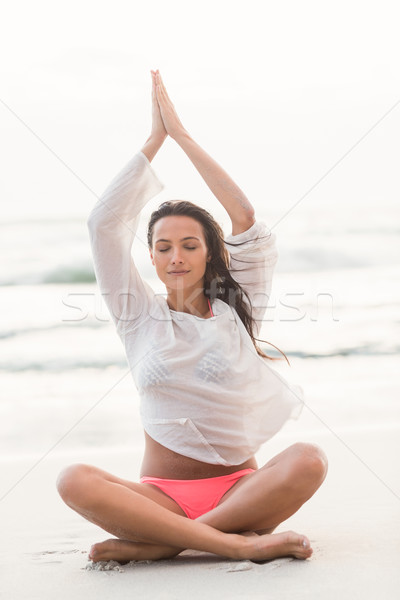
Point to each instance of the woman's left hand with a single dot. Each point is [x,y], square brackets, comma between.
[157,127]
[169,116]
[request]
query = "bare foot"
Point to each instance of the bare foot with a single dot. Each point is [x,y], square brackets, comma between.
[257,548]
[123,551]
[269,546]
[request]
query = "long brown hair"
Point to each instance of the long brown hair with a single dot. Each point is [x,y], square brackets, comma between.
[218,282]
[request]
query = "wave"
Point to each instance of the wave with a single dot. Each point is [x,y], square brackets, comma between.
[389,230]
[70,275]
[291,261]
[27,260]
[4,335]
[309,260]
[64,365]
[62,275]
[366,350]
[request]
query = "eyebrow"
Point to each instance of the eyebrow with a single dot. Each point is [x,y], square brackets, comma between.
[189,237]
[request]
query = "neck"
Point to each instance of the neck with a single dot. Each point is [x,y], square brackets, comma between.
[193,302]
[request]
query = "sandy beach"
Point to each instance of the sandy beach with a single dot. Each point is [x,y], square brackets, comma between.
[68,396]
[299,103]
[353,521]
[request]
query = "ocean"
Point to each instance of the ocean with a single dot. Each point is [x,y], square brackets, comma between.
[334,312]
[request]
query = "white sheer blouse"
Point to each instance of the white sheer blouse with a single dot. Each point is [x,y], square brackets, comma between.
[204,391]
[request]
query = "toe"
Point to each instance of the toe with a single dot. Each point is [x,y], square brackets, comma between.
[95,553]
[306,543]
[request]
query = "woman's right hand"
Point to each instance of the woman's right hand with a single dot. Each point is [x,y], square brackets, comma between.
[158,130]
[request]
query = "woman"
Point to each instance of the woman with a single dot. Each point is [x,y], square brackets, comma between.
[209,399]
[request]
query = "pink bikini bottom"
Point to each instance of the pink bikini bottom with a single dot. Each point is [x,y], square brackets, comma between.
[197,496]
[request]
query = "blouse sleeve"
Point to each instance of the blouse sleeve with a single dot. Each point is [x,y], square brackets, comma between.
[112,227]
[252,263]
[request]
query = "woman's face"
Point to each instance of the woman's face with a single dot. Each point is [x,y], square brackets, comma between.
[179,252]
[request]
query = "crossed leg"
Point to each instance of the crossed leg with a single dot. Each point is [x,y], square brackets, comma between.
[150,525]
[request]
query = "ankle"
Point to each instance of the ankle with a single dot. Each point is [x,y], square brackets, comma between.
[241,547]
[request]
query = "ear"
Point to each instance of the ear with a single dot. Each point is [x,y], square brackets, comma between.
[151,257]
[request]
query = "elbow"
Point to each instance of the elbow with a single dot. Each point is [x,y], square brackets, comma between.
[252,218]
[95,220]
[103,216]
[91,221]
[243,225]
[249,214]
[249,218]
[92,225]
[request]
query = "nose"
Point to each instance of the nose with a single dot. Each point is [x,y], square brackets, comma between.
[176,257]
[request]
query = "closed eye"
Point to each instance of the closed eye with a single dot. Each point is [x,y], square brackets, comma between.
[187,248]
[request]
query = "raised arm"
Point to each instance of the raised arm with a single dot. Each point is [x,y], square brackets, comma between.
[238,207]
[112,227]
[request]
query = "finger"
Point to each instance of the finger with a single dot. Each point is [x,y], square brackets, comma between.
[160,90]
[162,83]
[157,87]
[159,95]
[164,90]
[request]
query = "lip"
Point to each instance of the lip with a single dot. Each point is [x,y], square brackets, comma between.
[178,272]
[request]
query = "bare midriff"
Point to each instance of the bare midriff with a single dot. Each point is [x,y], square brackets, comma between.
[159,461]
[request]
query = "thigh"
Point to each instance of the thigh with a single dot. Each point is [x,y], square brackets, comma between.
[263,499]
[145,489]
[258,478]
[300,459]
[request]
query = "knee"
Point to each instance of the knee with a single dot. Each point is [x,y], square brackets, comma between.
[72,482]
[310,463]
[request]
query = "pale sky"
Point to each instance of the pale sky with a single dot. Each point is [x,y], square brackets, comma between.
[276,92]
